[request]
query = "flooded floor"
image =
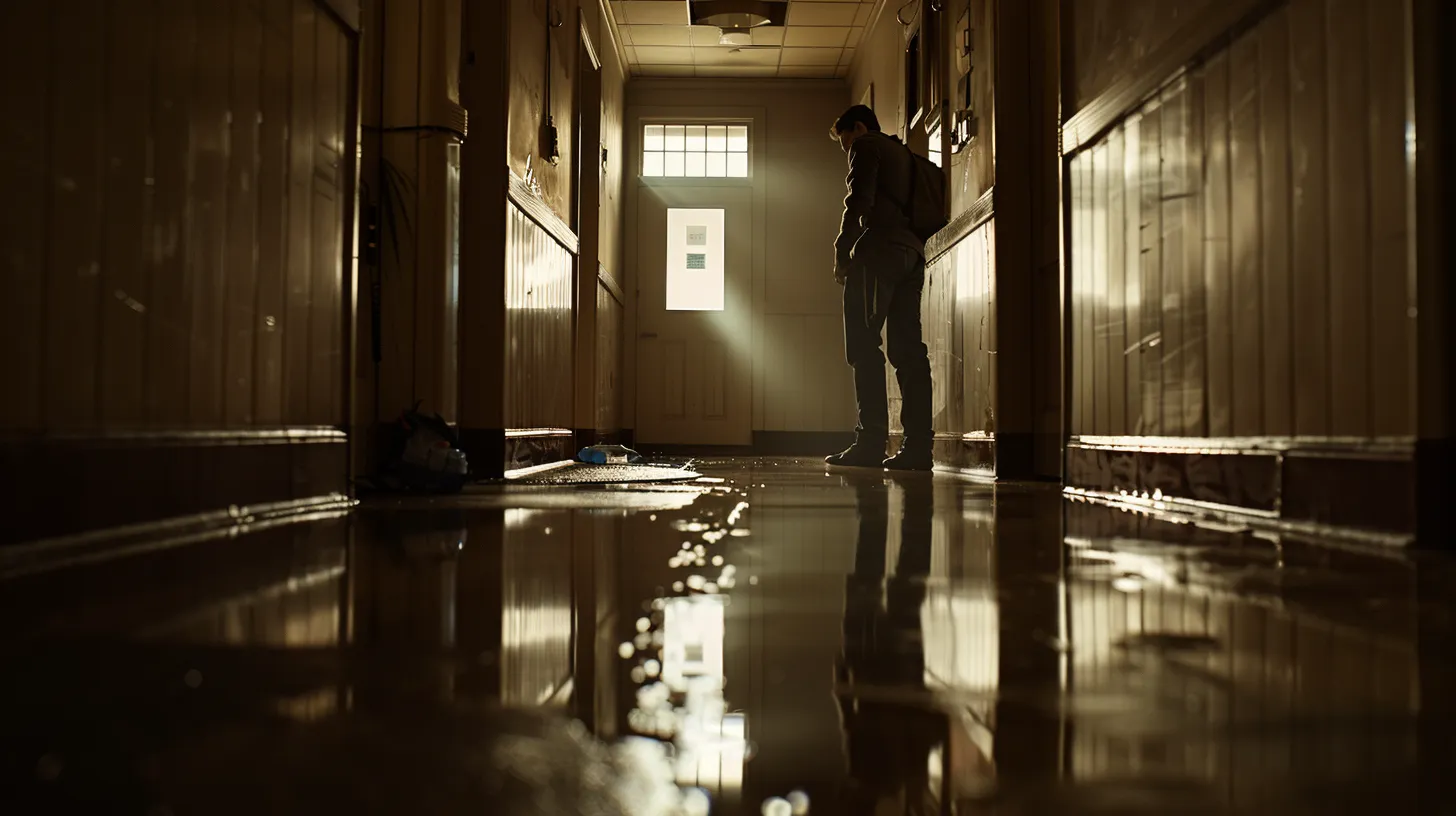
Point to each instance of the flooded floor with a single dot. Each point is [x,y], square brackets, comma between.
[771,639]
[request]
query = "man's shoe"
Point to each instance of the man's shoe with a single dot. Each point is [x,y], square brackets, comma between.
[860,454]
[911,457]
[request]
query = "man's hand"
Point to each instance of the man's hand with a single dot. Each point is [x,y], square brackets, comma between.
[840,274]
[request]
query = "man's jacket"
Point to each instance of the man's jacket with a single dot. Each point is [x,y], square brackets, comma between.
[879,188]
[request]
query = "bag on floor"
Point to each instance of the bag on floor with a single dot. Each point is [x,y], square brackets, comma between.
[424,455]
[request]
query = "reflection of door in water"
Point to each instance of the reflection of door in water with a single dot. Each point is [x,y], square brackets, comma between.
[694,348]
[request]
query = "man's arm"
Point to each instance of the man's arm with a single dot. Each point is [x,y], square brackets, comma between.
[864,169]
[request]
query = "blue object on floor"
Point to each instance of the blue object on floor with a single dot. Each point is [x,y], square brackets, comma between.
[609,455]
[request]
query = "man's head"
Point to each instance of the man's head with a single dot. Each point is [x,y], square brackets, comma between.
[854,123]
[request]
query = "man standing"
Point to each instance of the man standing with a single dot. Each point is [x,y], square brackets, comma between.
[881,264]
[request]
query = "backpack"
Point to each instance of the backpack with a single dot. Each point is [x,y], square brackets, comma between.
[926,204]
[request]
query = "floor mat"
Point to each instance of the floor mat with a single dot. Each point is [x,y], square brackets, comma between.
[608,474]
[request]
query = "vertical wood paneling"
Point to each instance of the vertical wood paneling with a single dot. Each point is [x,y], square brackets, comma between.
[538,326]
[169,310]
[1176,192]
[1195,303]
[1081,259]
[164,154]
[207,242]
[24,157]
[73,291]
[241,287]
[1133,272]
[1246,314]
[128,212]
[1390,298]
[302,136]
[1274,197]
[1151,248]
[1310,309]
[1217,271]
[609,360]
[1102,382]
[325,359]
[1348,131]
[273,188]
[1115,368]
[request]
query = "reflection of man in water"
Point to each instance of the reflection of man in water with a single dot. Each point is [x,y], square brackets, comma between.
[889,743]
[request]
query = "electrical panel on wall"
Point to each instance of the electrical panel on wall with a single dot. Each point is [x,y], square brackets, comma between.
[963,116]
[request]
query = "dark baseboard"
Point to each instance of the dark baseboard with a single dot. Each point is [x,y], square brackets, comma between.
[74,485]
[1364,486]
[765,443]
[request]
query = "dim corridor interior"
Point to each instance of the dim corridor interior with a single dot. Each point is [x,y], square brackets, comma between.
[889,644]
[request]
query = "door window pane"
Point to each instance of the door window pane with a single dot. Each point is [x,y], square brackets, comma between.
[694,260]
[695,151]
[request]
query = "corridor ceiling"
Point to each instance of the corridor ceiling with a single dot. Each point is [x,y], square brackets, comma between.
[818,40]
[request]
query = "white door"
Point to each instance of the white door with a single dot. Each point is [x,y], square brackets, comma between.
[694,315]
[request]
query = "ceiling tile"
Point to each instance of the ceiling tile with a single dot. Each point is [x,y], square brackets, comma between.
[807,71]
[664,55]
[809,56]
[737,70]
[842,71]
[821,14]
[768,35]
[658,34]
[724,55]
[705,35]
[847,57]
[666,70]
[650,12]
[816,36]
[855,35]
[862,17]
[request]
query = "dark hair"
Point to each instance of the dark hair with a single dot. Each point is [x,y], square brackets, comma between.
[854,116]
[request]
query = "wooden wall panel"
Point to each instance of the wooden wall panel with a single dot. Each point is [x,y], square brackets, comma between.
[1309,217]
[609,360]
[1150,247]
[240,289]
[538,327]
[1217,269]
[1115,363]
[273,186]
[1274,198]
[164,152]
[24,154]
[1261,230]
[1348,130]
[77,200]
[1132,272]
[207,233]
[1176,189]
[1391,300]
[1101,378]
[1078,402]
[128,207]
[1245,232]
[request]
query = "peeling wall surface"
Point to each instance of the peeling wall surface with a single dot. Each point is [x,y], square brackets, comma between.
[530,93]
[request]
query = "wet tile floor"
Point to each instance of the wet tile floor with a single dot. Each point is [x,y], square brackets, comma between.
[772,639]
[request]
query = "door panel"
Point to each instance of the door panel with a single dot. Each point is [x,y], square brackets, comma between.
[695,330]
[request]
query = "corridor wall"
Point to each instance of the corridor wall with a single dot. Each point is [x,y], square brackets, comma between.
[1242,328]
[178,271]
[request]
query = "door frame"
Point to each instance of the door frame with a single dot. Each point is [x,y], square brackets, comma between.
[586,206]
[638,115]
